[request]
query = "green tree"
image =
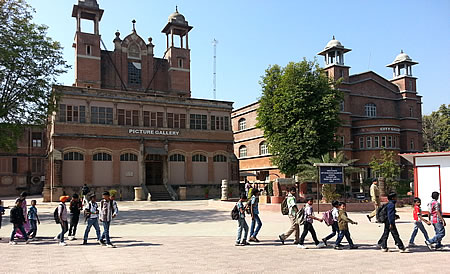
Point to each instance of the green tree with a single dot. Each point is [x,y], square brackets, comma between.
[387,167]
[29,64]
[436,129]
[298,112]
[308,172]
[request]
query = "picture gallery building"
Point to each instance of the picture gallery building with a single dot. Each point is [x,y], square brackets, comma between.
[129,119]
[376,114]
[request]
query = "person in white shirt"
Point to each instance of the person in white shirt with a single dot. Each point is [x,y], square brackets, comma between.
[292,205]
[334,225]
[91,213]
[107,213]
[62,213]
[308,225]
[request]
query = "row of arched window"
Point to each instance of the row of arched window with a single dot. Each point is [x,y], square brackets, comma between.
[263,149]
[103,156]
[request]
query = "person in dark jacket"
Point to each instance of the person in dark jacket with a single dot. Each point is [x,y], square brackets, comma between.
[17,219]
[389,225]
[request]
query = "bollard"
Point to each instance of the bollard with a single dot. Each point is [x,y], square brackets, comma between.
[138,193]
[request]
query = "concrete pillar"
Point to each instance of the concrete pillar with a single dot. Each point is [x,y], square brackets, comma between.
[116,167]
[224,190]
[141,163]
[187,45]
[210,169]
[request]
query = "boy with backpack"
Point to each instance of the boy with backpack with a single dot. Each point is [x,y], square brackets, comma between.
[91,212]
[308,225]
[255,216]
[334,224]
[62,214]
[107,213]
[438,223]
[389,225]
[74,215]
[33,218]
[242,224]
[291,203]
[17,219]
[343,221]
[417,215]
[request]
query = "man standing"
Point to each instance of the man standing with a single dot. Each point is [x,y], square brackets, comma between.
[375,195]
[91,212]
[107,213]
[292,205]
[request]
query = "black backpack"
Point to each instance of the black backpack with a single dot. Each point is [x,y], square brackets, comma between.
[56,215]
[284,207]
[14,216]
[235,213]
[382,214]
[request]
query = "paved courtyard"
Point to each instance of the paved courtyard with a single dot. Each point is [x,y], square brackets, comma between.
[198,236]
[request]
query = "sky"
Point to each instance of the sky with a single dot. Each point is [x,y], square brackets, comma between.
[254,34]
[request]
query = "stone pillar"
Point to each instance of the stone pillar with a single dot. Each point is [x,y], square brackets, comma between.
[224,190]
[141,163]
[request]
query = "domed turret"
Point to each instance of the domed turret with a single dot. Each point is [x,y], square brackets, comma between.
[334,43]
[334,52]
[402,65]
[177,18]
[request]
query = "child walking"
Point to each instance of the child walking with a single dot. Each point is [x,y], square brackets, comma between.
[62,213]
[334,225]
[417,215]
[292,205]
[242,224]
[390,227]
[91,211]
[33,218]
[308,226]
[438,223]
[255,216]
[74,215]
[17,219]
[107,213]
[343,221]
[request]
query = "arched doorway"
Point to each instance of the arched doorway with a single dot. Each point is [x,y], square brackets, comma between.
[153,169]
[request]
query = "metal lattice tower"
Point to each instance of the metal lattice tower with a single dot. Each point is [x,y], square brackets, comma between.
[214,43]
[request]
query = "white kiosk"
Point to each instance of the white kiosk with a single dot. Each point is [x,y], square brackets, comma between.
[431,173]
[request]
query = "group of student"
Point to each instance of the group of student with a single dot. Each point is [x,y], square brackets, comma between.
[338,220]
[25,221]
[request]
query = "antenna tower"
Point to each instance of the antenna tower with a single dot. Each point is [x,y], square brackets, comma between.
[214,43]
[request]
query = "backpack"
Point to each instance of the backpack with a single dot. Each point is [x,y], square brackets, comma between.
[14,216]
[56,215]
[301,218]
[235,213]
[284,207]
[382,214]
[327,217]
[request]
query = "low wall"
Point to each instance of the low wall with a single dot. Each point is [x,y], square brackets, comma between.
[123,192]
[199,191]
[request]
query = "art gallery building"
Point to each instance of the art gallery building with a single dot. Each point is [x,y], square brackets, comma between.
[129,119]
[376,114]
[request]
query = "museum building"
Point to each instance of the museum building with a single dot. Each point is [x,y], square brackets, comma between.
[376,114]
[129,119]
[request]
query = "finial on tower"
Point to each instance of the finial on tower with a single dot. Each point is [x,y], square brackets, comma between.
[334,38]
[176,8]
[134,25]
[401,51]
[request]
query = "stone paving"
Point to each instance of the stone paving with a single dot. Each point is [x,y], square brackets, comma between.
[197,237]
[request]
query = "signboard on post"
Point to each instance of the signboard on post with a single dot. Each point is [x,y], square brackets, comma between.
[331,174]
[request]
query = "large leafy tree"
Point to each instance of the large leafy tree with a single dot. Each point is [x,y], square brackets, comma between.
[387,167]
[436,129]
[298,112]
[29,64]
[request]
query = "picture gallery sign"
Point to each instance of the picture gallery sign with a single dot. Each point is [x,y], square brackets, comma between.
[153,132]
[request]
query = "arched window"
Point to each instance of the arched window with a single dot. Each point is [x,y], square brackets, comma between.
[263,149]
[242,151]
[128,157]
[134,51]
[102,156]
[73,156]
[177,158]
[242,124]
[371,110]
[198,158]
[220,158]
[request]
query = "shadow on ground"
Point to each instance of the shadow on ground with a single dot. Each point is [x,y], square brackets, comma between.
[169,216]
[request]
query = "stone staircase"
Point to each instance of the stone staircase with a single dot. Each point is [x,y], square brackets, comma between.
[159,193]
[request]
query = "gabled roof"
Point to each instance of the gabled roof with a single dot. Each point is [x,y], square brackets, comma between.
[373,76]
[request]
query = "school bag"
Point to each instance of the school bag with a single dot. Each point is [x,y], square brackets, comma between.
[14,216]
[301,216]
[327,217]
[235,213]
[56,215]
[382,214]
[284,207]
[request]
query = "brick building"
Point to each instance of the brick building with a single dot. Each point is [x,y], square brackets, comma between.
[23,169]
[129,119]
[376,113]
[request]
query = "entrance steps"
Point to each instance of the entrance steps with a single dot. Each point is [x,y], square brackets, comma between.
[159,193]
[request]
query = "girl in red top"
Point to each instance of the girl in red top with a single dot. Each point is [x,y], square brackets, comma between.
[417,215]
